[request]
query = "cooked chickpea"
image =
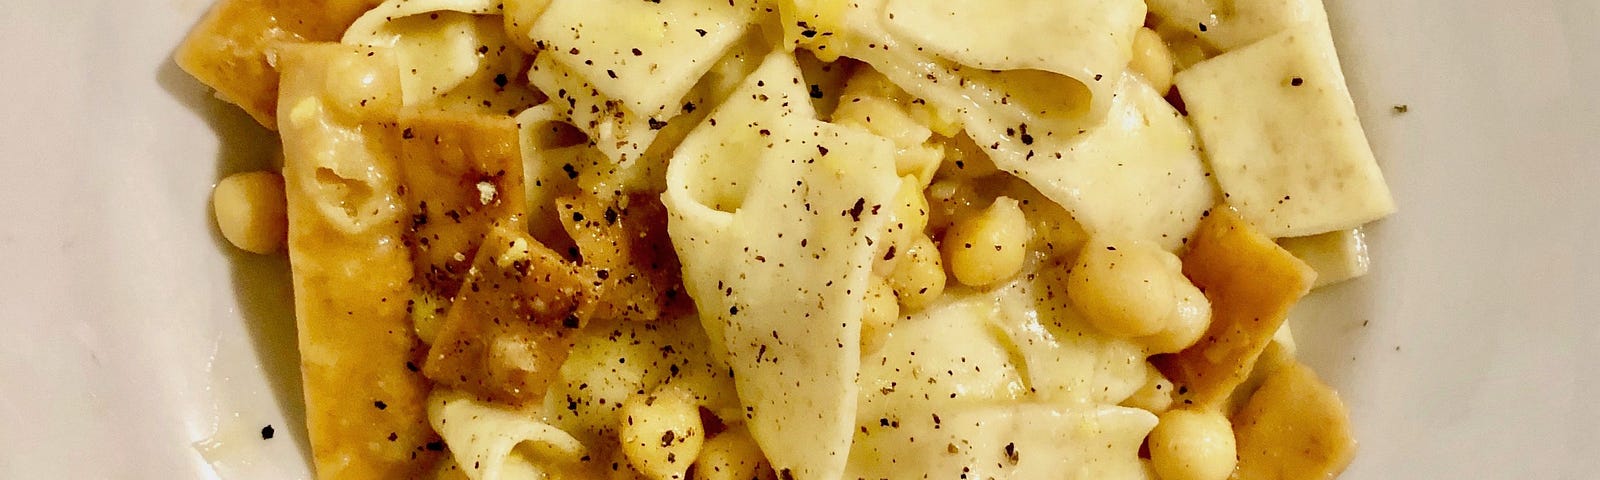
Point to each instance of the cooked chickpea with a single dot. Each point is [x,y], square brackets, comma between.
[252,211]
[1193,445]
[918,278]
[920,161]
[661,433]
[1152,59]
[875,105]
[990,246]
[1124,288]
[880,315]
[731,455]
[1189,320]
[1056,235]
[910,209]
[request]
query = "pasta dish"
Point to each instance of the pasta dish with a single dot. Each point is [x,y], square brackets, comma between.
[801,239]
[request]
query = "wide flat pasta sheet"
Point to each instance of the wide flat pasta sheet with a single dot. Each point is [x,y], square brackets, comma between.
[977,385]
[1102,144]
[775,216]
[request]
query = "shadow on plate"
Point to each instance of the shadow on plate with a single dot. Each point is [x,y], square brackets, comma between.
[261,283]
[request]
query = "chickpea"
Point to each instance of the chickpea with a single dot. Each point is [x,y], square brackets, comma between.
[1124,288]
[1193,445]
[910,211]
[990,246]
[252,211]
[881,313]
[1188,322]
[661,433]
[731,455]
[918,278]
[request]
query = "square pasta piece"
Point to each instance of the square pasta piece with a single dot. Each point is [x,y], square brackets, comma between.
[1282,136]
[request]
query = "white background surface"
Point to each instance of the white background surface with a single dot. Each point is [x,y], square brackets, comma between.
[128,332]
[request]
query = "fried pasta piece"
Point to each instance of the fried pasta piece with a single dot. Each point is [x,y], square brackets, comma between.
[1251,283]
[1293,427]
[623,243]
[365,401]
[510,328]
[462,177]
[231,49]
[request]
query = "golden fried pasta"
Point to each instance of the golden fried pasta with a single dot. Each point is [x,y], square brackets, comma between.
[623,242]
[1251,283]
[231,49]
[462,177]
[365,397]
[1294,427]
[511,326]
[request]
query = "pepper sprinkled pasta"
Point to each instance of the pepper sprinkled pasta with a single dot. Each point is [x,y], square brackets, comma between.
[802,239]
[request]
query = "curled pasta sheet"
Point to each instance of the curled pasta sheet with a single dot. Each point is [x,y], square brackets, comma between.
[623,67]
[1107,147]
[775,216]
[494,442]
[1230,24]
[1090,41]
[437,52]
[989,416]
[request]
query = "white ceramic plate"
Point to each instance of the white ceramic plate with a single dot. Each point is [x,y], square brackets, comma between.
[129,333]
